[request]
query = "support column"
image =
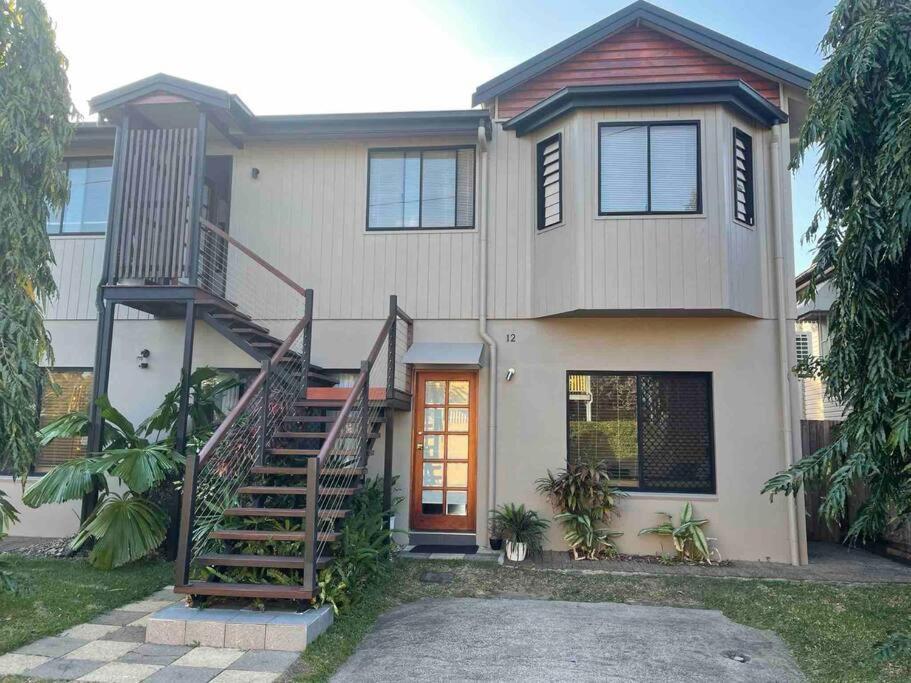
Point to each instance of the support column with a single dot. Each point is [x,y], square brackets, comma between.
[99,388]
[176,544]
[199,173]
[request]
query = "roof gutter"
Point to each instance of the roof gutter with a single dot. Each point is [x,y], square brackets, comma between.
[482,249]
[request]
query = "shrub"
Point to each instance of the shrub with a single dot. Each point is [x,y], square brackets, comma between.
[362,551]
[690,540]
[585,501]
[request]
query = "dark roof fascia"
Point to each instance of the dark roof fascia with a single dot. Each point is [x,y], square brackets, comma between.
[658,18]
[383,124]
[89,131]
[736,95]
[204,95]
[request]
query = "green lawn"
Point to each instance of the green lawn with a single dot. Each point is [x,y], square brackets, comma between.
[55,594]
[831,630]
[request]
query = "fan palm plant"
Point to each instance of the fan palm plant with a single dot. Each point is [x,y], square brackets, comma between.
[127,527]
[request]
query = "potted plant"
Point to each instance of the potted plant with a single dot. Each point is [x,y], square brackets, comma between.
[522,529]
[495,534]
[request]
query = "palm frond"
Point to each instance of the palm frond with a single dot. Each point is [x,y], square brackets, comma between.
[142,468]
[125,529]
[9,515]
[65,426]
[69,480]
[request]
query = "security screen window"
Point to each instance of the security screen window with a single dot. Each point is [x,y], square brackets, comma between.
[414,189]
[653,431]
[86,210]
[649,168]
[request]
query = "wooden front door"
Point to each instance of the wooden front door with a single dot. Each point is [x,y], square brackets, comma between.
[443,460]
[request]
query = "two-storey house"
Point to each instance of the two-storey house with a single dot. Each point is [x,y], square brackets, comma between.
[592,264]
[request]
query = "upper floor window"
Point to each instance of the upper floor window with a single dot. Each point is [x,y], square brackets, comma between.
[86,211]
[413,189]
[653,430]
[550,185]
[743,177]
[649,168]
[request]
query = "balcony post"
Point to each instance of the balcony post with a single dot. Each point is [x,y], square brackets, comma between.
[389,427]
[264,420]
[199,172]
[307,344]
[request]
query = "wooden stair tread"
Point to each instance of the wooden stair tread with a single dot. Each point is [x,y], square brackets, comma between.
[251,535]
[266,561]
[293,491]
[293,451]
[302,471]
[282,512]
[245,590]
[313,435]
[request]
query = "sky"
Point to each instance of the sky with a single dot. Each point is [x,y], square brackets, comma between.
[302,57]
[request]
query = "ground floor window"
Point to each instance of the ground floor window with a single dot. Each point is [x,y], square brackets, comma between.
[75,391]
[654,430]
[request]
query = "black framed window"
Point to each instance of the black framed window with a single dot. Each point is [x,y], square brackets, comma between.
[652,429]
[549,155]
[86,211]
[415,188]
[646,168]
[743,177]
[75,391]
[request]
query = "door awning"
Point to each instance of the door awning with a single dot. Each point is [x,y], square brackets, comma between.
[463,355]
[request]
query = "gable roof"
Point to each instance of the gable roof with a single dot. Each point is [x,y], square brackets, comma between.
[214,98]
[655,17]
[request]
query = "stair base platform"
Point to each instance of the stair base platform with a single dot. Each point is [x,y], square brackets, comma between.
[243,629]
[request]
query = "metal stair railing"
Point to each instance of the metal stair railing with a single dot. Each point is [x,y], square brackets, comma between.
[346,448]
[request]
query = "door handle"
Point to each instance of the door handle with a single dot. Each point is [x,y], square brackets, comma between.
[420,446]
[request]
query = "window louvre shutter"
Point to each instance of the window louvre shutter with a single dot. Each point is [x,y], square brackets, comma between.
[743,177]
[550,181]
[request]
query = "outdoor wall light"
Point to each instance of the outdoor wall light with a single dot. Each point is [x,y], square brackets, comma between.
[254,173]
[142,360]
[510,373]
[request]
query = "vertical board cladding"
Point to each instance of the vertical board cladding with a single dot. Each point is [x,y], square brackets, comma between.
[642,262]
[77,274]
[634,55]
[306,214]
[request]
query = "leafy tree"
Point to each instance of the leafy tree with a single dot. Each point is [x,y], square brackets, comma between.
[860,119]
[35,127]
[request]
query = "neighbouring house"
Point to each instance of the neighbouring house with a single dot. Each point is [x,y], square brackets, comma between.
[813,341]
[593,263]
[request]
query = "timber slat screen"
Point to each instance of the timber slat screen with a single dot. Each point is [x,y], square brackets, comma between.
[154,222]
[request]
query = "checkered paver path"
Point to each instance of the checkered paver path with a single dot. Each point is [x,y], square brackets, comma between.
[112,648]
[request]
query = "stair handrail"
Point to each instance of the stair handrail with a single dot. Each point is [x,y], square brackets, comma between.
[360,392]
[260,385]
[211,227]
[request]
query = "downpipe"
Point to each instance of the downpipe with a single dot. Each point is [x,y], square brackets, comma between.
[481,252]
[783,341]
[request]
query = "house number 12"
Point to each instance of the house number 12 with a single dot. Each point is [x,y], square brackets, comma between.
[511,337]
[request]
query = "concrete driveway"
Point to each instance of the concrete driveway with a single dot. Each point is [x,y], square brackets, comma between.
[464,639]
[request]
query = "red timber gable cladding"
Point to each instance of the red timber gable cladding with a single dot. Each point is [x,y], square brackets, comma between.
[634,55]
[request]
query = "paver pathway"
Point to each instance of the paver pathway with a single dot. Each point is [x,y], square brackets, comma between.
[112,649]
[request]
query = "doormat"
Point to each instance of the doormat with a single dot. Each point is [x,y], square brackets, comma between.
[458,549]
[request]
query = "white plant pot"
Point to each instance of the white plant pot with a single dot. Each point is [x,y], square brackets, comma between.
[516,552]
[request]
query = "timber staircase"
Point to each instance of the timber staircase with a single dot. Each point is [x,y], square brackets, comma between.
[264,500]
